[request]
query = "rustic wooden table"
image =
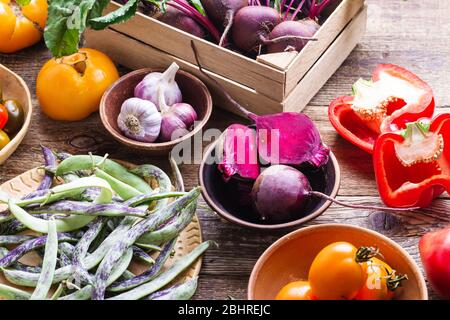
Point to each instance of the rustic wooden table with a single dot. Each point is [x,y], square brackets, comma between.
[408,33]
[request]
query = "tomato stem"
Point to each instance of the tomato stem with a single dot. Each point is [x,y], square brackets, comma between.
[364,254]
[395,281]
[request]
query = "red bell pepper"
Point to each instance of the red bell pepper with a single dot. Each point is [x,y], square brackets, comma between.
[412,167]
[434,250]
[394,97]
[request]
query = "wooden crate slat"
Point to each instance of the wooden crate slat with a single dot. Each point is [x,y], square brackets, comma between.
[327,64]
[140,55]
[326,35]
[265,79]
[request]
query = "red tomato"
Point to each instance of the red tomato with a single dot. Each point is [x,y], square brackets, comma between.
[3,116]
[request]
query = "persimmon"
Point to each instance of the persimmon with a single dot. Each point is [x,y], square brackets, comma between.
[21,26]
[70,88]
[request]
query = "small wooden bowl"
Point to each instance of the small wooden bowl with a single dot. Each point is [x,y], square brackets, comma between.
[290,258]
[15,88]
[222,196]
[194,92]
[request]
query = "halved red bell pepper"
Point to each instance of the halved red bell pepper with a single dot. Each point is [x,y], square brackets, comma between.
[412,167]
[394,97]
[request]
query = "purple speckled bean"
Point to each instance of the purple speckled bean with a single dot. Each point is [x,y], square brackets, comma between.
[147,225]
[89,209]
[18,265]
[33,244]
[182,291]
[7,240]
[142,255]
[148,275]
[50,161]
[80,273]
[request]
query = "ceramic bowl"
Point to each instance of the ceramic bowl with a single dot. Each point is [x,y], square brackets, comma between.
[15,88]
[194,92]
[290,258]
[223,197]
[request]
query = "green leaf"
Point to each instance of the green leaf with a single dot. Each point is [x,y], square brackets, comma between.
[23,3]
[198,5]
[97,9]
[122,14]
[66,22]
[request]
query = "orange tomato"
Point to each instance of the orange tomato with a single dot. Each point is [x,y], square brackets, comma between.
[298,290]
[21,27]
[336,272]
[70,88]
[381,282]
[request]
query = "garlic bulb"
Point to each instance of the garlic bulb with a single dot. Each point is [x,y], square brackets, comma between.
[177,119]
[149,87]
[140,120]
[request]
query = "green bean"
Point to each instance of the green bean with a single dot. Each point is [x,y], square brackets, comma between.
[58,292]
[124,190]
[183,291]
[179,183]
[145,198]
[48,264]
[167,276]
[70,223]
[11,293]
[151,247]
[87,162]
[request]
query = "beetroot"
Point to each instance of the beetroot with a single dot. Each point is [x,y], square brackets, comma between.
[222,13]
[239,153]
[180,20]
[280,194]
[280,39]
[251,25]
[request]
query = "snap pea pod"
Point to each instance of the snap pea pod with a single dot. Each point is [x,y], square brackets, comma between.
[148,275]
[142,255]
[29,279]
[81,249]
[70,223]
[171,230]
[166,277]
[145,198]
[147,225]
[10,293]
[182,291]
[124,190]
[86,292]
[87,162]
[33,244]
[48,264]
[7,240]
[89,209]
[163,180]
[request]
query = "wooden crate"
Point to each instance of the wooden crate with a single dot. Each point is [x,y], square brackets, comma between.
[271,83]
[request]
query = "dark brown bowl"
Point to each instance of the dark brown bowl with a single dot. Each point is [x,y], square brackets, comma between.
[194,92]
[223,197]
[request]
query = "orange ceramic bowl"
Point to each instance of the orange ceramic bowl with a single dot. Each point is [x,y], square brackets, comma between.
[290,258]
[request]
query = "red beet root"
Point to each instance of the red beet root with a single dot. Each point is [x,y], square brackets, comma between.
[280,39]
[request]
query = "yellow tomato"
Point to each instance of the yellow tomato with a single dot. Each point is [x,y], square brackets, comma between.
[21,27]
[70,88]
[298,290]
[381,281]
[4,139]
[336,272]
